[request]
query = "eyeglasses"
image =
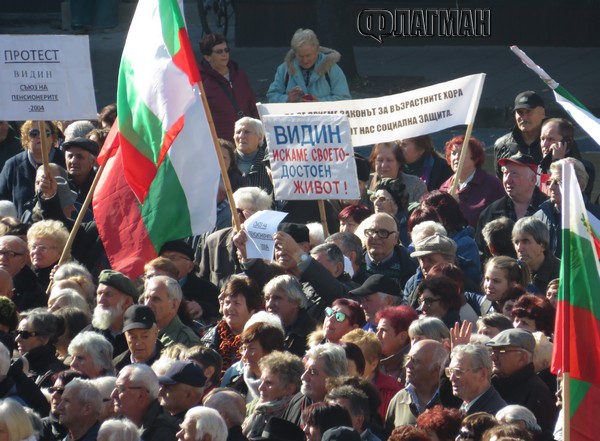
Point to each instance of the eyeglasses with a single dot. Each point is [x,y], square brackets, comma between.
[106,400]
[34,133]
[374,198]
[382,234]
[27,334]
[428,301]
[458,373]
[56,390]
[339,316]
[10,254]
[120,388]
[465,434]
[220,51]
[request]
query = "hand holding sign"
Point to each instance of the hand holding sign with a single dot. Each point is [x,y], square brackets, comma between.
[260,231]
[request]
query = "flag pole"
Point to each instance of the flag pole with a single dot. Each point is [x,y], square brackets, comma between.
[566,406]
[461,160]
[323,218]
[226,181]
[41,126]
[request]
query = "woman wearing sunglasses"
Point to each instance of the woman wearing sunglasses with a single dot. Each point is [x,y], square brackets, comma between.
[227,87]
[17,179]
[343,316]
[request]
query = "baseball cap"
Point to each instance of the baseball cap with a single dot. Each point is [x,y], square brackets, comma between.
[435,244]
[138,317]
[377,283]
[528,100]
[341,433]
[184,372]
[521,160]
[521,338]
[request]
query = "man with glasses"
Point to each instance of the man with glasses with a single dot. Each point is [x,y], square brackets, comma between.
[384,254]
[181,388]
[136,398]
[514,376]
[470,372]
[27,292]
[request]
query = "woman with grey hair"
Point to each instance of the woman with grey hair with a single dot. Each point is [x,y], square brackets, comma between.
[36,336]
[428,328]
[520,415]
[118,430]
[91,354]
[309,73]
[249,135]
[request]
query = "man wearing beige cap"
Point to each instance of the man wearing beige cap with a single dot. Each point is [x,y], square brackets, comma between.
[514,376]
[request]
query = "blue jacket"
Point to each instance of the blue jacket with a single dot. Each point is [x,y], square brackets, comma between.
[467,253]
[327,81]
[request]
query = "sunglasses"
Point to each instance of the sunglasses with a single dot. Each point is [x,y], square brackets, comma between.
[57,390]
[220,51]
[339,316]
[27,334]
[34,133]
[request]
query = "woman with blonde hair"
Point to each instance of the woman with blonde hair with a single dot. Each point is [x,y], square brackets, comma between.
[46,240]
[15,423]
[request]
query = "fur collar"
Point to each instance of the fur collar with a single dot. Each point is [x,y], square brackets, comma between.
[331,58]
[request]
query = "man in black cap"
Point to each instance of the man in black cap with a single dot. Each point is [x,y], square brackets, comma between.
[525,136]
[141,333]
[116,292]
[523,197]
[181,388]
[80,157]
[378,292]
[201,297]
[292,257]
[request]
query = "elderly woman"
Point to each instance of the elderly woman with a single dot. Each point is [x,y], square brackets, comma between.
[279,382]
[351,216]
[46,240]
[422,160]
[17,179]
[392,332]
[429,328]
[249,135]
[534,313]
[476,189]
[387,161]
[37,334]
[226,85]
[91,354]
[74,321]
[118,430]
[308,73]
[439,297]
[64,297]
[240,299]
[15,423]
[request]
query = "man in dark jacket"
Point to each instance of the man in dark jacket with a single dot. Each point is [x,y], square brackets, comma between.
[525,136]
[231,405]
[514,376]
[78,410]
[141,333]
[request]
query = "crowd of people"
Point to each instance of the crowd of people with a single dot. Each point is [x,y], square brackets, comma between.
[423,316]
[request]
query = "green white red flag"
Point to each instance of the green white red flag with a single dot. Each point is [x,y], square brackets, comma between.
[577,331]
[586,120]
[166,151]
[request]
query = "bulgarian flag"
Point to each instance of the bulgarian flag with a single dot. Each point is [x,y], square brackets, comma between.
[162,180]
[577,331]
[586,120]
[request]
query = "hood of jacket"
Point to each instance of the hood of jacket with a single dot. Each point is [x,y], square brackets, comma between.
[326,59]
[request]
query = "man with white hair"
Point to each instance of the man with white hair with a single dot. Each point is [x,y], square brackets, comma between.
[202,424]
[377,293]
[163,296]
[79,410]
[321,362]
[231,405]
[136,397]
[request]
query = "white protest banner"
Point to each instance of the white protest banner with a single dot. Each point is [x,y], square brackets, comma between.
[260,228]
[45,77]
[404,115]
[311,157]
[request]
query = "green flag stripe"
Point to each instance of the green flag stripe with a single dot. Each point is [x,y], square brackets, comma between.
[583,273]
[160,206]
[137,122]
[567,95]
[578,391]
[171,21]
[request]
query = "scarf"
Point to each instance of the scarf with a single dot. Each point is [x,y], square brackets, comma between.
[252,384]
[229,345]
[263,412]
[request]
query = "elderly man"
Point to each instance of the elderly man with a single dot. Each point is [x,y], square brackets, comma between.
[28,293]
[202,424]
[514,376]
[136,397]
[356,402]
[331,257]
[530,238]
[470,372]
[79,410]
[378,292]
[141,333]
[116,292]
[321,362]
[163,296]
[424,365]
[231,405]
[384,254]
[523,197]
[351,247]
[80,157]
[525,136]
[285,298]
[219,259]
[181,388]
[201,296]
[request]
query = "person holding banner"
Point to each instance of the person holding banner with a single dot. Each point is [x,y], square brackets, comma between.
[308,73]
[17,179]
[422,160]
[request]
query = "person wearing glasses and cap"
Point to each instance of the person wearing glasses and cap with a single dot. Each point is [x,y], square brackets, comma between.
[514,375]
[17,179]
